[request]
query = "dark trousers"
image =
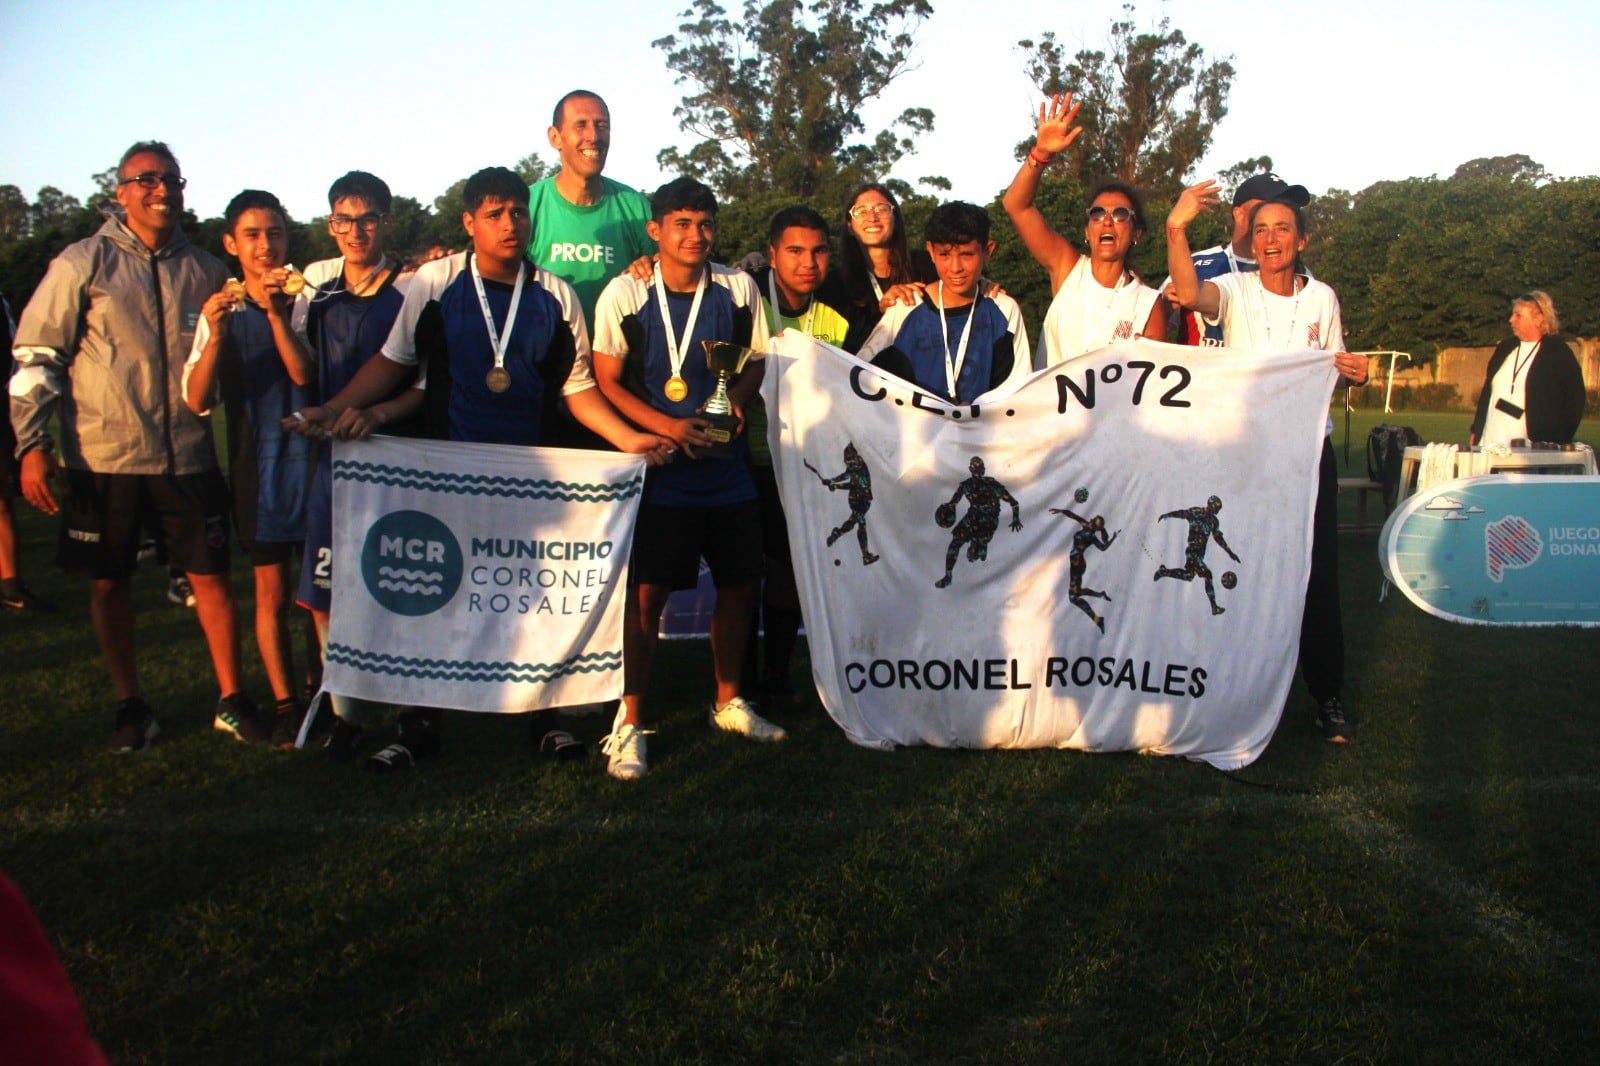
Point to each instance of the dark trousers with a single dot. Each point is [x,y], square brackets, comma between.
[1322,625]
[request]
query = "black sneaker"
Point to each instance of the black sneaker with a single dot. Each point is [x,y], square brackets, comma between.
[24,600]
[237,715]
[1333,722]
[136,727]
[342,741]
[420,738]
[286,725]
[777,694]
[561,746]
[180,592]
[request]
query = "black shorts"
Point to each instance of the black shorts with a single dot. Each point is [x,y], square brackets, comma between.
[668,543]
[774,529]
[271,552]
[107,514]
[10,468]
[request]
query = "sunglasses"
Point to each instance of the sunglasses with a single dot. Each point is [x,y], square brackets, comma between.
[1117,214]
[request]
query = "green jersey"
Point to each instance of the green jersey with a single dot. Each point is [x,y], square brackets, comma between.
[586,246]
[819,319]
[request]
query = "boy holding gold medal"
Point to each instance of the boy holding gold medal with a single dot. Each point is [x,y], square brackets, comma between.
[651,363]
[248,353]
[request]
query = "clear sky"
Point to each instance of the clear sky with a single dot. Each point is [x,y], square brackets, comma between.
[288,96]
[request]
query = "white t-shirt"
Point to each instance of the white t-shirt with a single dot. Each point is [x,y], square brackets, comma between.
[1085,315]
[1258,320]
[1510,384]
[1255,319]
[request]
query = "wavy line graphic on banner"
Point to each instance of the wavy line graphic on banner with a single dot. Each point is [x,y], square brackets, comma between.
[486,485]
[458,670]
[402,579]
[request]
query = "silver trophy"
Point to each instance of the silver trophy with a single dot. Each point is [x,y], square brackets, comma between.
[725,360]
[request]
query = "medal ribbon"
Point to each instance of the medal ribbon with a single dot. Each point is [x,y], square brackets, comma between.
[675,353]
[777,313]
[952,367]
[500,341]
[355,290]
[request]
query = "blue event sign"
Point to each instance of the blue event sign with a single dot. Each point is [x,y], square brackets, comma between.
[1506,549]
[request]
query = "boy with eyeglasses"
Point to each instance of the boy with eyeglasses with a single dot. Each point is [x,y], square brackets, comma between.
[248,354]
[956,342]
[353,302]
[102,343]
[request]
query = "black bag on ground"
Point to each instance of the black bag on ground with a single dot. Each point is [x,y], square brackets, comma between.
[1386,450]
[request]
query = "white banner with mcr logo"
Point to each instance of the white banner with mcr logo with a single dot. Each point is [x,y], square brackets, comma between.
[1111,557]
[480,577]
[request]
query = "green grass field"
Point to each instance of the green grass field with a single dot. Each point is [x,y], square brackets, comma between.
[1426,894]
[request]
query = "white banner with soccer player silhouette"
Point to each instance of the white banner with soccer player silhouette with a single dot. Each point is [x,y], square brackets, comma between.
[481,577]
[1111,557]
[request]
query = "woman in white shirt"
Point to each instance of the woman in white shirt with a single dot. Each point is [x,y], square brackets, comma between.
[1097,300]
[1279,308]
[1533,386]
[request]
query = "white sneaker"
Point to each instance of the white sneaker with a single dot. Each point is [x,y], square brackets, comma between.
[737,716]
[626,747]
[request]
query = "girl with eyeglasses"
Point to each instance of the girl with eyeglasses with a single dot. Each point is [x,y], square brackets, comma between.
[876,264]
[1097,299]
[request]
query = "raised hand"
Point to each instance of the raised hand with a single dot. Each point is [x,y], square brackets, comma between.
[1194,200]
[1057,129]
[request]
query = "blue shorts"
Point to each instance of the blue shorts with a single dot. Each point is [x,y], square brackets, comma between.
[316,569]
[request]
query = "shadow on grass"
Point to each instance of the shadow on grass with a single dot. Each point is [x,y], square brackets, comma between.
[1422,894]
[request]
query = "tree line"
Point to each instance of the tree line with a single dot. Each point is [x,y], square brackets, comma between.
[772,102]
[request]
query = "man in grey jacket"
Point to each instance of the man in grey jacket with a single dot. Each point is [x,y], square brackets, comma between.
[102,343]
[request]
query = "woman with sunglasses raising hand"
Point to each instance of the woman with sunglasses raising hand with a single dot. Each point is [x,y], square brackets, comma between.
[1097,300]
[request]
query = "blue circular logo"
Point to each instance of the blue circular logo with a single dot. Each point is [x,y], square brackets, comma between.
[411,563]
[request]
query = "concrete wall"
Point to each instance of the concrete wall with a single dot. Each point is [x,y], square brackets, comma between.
[1464,368]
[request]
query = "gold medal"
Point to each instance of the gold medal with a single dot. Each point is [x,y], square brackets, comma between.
[293,283]
[676,389]
[498,379]
[234,289]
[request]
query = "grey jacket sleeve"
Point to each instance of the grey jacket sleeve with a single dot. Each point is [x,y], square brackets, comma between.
[46,337]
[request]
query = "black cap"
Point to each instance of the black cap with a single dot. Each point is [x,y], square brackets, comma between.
[1270,187]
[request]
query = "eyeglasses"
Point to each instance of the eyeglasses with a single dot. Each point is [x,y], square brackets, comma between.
[342,224]
[1118,214]
[151,179]
[871,210]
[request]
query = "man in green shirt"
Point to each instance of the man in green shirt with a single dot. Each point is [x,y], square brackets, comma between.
[587,229]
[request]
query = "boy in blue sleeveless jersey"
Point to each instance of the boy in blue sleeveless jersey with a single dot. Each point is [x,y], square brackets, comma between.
[471,388]
[353,304]
[247,352]
[955,342]
[651,364]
